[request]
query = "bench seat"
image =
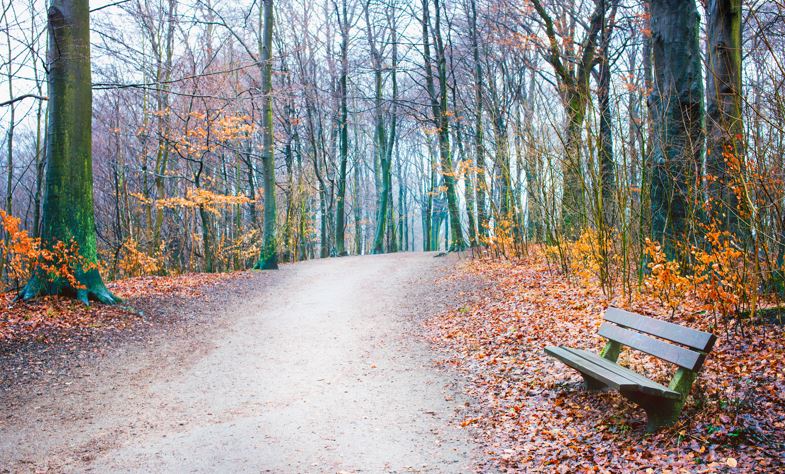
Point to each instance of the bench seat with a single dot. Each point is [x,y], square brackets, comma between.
[609,373]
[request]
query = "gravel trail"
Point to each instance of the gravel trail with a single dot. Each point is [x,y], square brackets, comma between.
[318,368]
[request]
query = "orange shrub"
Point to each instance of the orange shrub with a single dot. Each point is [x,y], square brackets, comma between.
[134,262]
[720,276]
[665,280]
[26,256]
[502,240]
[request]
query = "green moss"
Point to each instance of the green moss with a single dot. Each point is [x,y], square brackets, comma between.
[68,214]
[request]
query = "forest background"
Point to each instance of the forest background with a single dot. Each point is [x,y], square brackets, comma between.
[640,142]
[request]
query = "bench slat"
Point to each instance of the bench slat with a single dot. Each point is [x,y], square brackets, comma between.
[680,356]
[647,385]
[580,364]
[699,340]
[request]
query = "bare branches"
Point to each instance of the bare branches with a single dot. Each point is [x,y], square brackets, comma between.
[22,97]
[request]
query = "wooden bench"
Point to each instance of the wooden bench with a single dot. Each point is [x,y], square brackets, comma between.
[622,328]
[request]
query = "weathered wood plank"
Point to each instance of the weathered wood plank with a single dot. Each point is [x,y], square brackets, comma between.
[582,365]
[680,356]
[647,385]
[699,340]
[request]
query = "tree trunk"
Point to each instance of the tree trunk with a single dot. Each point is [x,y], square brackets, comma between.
[677,101]
[479,148]
[380,136]
[268,258]
[164,76]
[441,119]
[428,214]
[533,222]
[607,163]
[68,214]
[574,90]
[340,212]
[391,140]
[468,179]
[357,203]
[725,149]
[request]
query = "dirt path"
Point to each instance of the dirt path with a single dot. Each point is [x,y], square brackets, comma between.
[317,371]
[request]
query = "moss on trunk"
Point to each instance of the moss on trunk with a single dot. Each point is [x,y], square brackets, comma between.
[677,108]
[268,258]
[68,214]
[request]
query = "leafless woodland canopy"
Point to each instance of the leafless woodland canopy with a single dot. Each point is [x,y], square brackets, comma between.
[459,126]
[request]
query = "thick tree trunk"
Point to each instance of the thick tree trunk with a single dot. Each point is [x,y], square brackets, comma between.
[725,149]
[677,101]
[68,214]
[268,258]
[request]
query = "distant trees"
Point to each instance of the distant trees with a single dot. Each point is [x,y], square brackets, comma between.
[228,136]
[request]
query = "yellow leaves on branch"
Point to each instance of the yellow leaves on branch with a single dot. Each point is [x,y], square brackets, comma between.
[135,262]
[590,253]
[204,133]
[719,276]
[233,127]
[501,240]
[721,279]
[593,255]
[197,197]
[25,255]
[243,247]
[665,280]
[17,247]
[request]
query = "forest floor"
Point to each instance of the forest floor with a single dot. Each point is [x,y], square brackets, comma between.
[532,414]
[390,363]
[318,367]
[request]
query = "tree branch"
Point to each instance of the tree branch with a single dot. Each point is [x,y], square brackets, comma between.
[22,97]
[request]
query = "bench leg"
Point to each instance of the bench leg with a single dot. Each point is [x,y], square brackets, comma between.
[592,384]
[660,412]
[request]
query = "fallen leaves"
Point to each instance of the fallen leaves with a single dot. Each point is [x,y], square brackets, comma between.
[532,413]
[49,318]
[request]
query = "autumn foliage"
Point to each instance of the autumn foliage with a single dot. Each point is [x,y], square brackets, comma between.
[26,255]
[531,411]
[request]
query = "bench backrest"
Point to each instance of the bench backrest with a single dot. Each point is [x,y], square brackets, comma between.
[634,330]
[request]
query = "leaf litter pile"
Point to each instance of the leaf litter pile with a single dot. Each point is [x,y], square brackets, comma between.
[531,412]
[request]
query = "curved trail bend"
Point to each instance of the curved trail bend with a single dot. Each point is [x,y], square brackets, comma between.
[316,369]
